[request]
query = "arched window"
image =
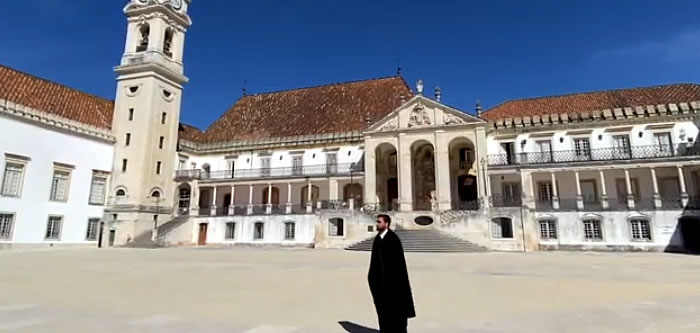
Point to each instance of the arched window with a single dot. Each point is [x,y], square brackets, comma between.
[502,227]
[120,193]
[259,231]
[353,191]
[641,229]
[155,193]
[144,34]
[548,229]
[275,196]
[305,194]
[336,227]
[289,231]
[168,42]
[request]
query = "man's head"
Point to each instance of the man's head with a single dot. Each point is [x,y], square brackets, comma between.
[383,222]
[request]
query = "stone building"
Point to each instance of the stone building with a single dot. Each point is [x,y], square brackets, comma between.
[311,167]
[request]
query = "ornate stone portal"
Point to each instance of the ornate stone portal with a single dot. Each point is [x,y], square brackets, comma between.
[424,177]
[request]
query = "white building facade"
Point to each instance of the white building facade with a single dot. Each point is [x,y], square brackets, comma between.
[311,167]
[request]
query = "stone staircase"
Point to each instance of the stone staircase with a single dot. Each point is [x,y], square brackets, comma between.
[145,241]
[424,241]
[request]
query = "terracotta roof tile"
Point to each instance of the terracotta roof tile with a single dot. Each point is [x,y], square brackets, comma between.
[54,98]
[599,100]
[334,108]
[190,133]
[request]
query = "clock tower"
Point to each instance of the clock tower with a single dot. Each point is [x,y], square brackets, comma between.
[146,118]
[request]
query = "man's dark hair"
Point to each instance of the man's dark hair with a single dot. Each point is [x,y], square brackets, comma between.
[385,218]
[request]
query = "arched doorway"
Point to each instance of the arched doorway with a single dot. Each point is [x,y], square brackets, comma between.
[184,195]
[464,186]
[423,163]
[387,183]
[690,233]
[275,196]
[353,191]
[315,193]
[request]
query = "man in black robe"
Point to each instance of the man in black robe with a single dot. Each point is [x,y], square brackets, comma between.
[388,280]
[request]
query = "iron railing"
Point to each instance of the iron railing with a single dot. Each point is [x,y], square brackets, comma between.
[614,204]
[469,205]
[599,154]
[505,201]
[286,172]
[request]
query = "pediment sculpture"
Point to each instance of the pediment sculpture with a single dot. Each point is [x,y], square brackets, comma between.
[450,119]
[419,117]
[390,125]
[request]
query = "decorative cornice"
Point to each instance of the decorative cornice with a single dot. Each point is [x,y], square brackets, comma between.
[661,113]
[53,121]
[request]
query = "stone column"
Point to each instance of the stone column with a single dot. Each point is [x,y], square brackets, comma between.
[332,189]
[655,184]
[630,195]
[289,198]
[194,200]
[681,182]
[370,174]
[603,191]
[555,192]
[443,186]
[405,175]
[527,194]
[213,201]
[231,207]
[250,200]
[579,196]
[309,204]
[268,207]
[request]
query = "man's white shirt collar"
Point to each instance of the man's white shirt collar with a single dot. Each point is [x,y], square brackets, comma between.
[383,233]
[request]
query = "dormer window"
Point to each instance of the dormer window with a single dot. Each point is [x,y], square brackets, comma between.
[144,33]
[168,42]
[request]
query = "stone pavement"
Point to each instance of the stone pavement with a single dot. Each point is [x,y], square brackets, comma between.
[324,291]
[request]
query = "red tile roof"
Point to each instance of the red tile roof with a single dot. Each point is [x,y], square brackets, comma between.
[55,98]
[190,133]
[599,100]
[333,108]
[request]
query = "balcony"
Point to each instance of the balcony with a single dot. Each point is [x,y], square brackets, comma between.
[594,155]
[319,170]
[613,204]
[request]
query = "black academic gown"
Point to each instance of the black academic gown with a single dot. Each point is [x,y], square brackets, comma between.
[389,284]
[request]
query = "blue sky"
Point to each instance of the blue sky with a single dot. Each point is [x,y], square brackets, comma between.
[487,50]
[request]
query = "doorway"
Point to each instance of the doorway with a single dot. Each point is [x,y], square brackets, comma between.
[392,186]
[467,189]
[690,233]
[202,239]
[112,237]
[227,202]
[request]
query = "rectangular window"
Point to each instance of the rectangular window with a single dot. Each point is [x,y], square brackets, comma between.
[6,223]
[621,188]
[158,165]
[502,228]
[265,169]
[622,148]
[181,164]
[509,148]
[589,191]
[98,187]
[582,149]
[230,230]
[663,143]
[289,231]
[131,114]
[160,143]
[511,193]
[53,228]
[297,165]
[545,192]
[60,185]
[13,179]
[124,163]
[259,231]
[331,163]
[544,150]
[641,231]
[548,229]
[127,141]
[163,117]
[592,230]
[335,227]
[91,234]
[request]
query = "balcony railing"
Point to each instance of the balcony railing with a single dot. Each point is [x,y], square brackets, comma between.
[600,154]
[613,204]
[505,201]
[287,172]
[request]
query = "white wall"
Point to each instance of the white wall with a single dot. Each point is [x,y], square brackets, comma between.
[45,146]
[273,229]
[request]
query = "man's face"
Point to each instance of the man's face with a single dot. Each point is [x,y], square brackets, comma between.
[381,225]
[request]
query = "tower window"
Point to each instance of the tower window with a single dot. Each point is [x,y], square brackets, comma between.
[158,165]
[128,139]
[168,43]
[131,114]
[160,144]
[163,117]
[144,31]
[124,162]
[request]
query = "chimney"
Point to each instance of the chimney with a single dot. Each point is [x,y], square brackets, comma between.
[478,109]
[419,87]
[402,99]
[438,94]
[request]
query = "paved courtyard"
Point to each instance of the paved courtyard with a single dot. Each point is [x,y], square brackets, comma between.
[325,291]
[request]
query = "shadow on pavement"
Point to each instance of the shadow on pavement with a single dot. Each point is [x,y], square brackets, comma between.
[355,328]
